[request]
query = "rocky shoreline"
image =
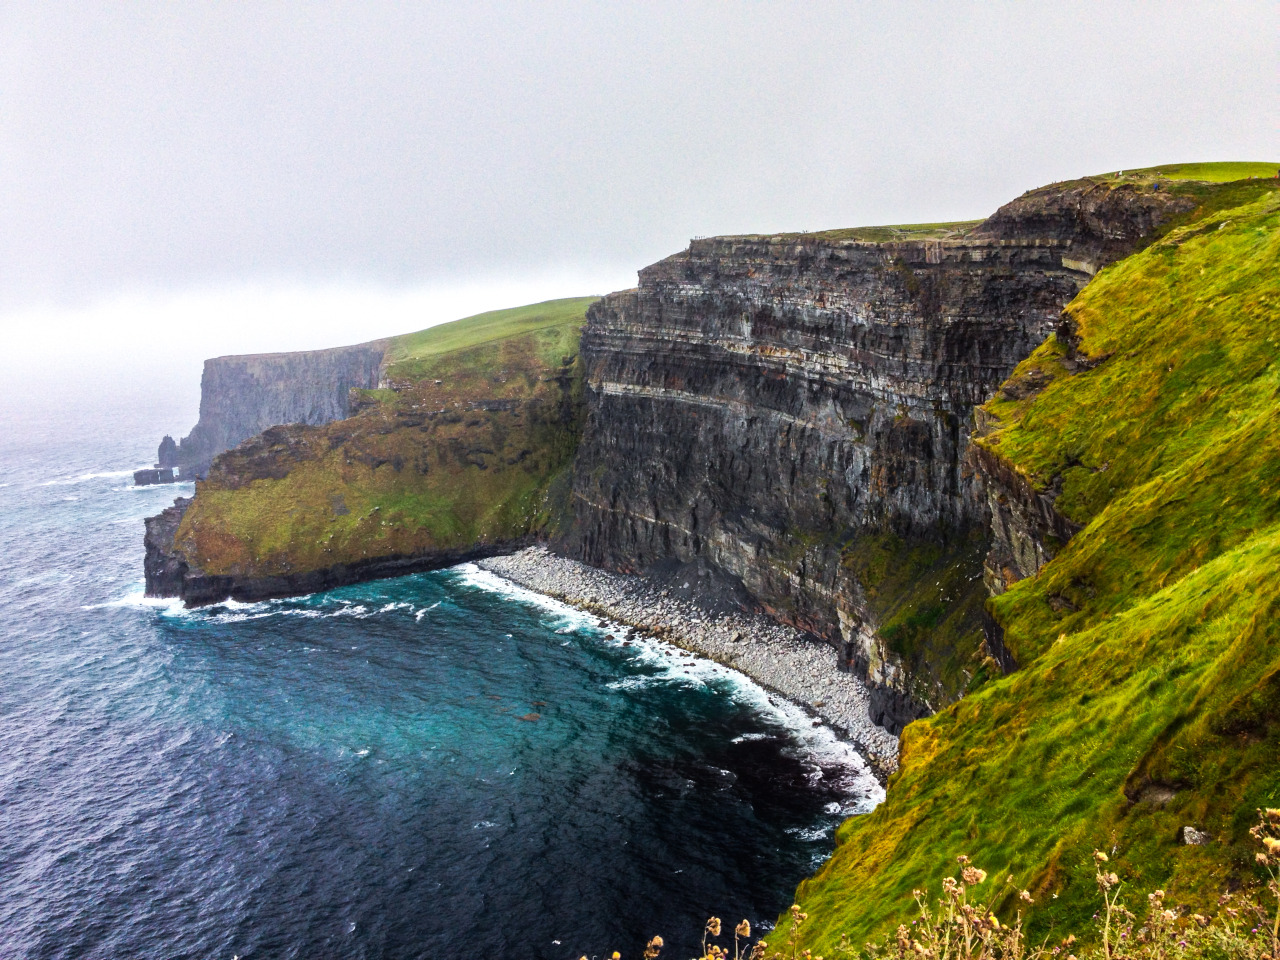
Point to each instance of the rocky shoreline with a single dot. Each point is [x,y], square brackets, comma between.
[774,655]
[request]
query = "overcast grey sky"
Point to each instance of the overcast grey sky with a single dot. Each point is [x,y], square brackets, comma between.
[173,146]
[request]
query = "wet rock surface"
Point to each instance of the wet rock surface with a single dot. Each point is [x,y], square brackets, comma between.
[788,661]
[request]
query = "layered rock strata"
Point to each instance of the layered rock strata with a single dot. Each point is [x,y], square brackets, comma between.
[771,405]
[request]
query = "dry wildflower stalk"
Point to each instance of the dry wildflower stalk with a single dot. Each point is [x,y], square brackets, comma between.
[960,927]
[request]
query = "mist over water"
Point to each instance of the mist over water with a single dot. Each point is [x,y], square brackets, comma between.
[439,765]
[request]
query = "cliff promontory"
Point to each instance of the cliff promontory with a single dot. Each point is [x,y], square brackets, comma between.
[240,396]
[1132,468]
[464,452]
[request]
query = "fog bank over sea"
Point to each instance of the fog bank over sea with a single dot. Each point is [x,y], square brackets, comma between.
[133,343]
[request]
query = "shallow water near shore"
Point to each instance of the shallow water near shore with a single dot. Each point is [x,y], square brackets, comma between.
[441,765]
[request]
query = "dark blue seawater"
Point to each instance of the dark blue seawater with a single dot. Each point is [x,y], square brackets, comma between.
[435,766]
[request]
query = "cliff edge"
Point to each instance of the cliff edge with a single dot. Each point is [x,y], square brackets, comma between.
[463,453]
[240,396]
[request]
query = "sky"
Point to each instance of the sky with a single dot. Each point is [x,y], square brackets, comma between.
[181,180]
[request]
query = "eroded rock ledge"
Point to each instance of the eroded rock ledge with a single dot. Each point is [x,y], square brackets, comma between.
[169,572]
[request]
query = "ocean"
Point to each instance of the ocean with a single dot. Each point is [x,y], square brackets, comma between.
[441,765]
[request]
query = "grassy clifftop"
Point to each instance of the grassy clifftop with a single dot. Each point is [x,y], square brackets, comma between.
[470,445]
[1149,694]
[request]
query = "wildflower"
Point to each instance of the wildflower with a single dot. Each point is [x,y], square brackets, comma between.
[1272,845]
[962,859]
[713,926]
[1273,814]
[1203,921]
[1170,915]
[652,948]
[742,930]
[1099,856]
[617,955]
[1025,897]
[972,875]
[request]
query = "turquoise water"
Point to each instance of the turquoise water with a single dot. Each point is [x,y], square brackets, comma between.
[441,765]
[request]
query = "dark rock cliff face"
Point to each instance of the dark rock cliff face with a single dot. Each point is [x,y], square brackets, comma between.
[1099,221]
[767,405]
[789,416]
[241,396]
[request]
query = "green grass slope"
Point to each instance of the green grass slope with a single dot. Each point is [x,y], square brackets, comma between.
[888,233]
[472,446]
[1149,693]
[412,356]
[1223,172]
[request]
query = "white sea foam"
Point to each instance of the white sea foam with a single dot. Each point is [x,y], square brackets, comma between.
[473,576]
[425,610]
[748,737]
[816,744]
[84,477]
[136,597]
[182,486]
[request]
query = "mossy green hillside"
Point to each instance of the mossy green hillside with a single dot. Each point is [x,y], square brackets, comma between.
[416,356]
[1149,693]
[1213,172]
[472,446]
[925,599]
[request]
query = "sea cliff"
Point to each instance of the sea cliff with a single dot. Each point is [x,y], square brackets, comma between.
[1019,475]
[465,452]
[796,410]
[240,396]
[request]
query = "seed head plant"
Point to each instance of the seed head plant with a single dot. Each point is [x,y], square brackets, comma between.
[960,925]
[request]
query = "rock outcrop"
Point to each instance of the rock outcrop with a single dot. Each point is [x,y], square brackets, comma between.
[165,470]
[170,572]
[465,451]
[240,396]
[167,454]
[772,405]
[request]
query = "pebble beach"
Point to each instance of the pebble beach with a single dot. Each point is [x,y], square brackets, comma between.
[774,655]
